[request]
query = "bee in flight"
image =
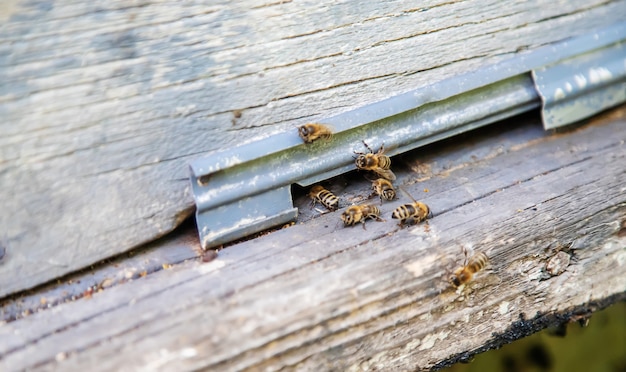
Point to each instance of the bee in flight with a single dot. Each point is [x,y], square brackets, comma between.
[312,131]
[471,266]
[375,162]
[416,211]
[384,189]
[359,213]
[320,195]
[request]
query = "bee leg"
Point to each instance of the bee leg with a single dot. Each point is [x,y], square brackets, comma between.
[363,223]
[312,204]
[369,148]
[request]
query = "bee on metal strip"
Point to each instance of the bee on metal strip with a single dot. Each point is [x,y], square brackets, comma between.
[384,189]
[359,213]
[319,194]
[375,162]
[416,211]
[471,266]
[313,131]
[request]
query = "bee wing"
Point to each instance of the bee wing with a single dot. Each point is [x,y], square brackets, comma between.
[386,173]
[369,178]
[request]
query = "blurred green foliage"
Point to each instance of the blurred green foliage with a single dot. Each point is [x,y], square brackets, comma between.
[598,347]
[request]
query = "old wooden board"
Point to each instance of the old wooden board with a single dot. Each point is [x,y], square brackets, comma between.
[104,104]
[319,296]
[352,188]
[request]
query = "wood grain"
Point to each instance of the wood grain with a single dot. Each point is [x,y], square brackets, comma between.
[320,296]
[104,104]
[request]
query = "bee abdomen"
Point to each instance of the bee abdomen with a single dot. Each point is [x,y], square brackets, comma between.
[374,212]
[384,162]
[403,212]
[388,194]
[478,262]
[328,199]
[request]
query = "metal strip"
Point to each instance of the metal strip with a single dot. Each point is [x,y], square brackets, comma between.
[581,86]
[246,189]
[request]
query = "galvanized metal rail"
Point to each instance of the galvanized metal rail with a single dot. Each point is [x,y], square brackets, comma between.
[247,189]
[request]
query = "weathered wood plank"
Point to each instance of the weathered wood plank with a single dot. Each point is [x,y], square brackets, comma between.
[352,188]
[317,295]
[103,104]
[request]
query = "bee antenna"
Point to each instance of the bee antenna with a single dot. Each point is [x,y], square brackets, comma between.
[407,194]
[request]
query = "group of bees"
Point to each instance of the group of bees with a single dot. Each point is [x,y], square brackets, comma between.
[380,164]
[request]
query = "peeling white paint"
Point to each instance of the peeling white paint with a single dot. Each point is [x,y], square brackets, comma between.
[534,275]
[413,344]
[254,180]
[504,307]
[568,87]
[208,267]
[599,75]
[164,356]
[418,267]
[188,352]
[581,81]
[225,162]
[184,110]
[429,340]
[559,94]
[621,257]
[207,195]
[423,233]
[242,222]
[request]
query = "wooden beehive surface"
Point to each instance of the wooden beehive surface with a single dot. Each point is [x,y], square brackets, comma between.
[104,104]
[318,296]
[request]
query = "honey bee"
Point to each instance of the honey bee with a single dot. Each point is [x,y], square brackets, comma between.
[375,162]
[312,131]
[324,197]
[416,211]
[359,213]
[384,189]
[464,274]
